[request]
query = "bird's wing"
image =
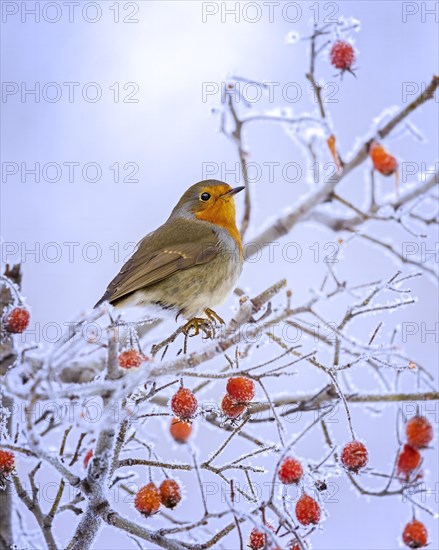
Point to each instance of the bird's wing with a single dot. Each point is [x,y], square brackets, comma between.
[147,267]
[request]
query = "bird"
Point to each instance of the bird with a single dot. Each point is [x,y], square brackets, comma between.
[188,265]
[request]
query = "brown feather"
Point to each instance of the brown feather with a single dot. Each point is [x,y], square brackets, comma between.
[170,249]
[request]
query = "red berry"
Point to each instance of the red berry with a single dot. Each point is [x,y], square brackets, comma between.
[342,55]
[180,430]
[241,389]
[7,462]
[290,471]
[131,359]
[385,163]
[87,457]
[409,459]
[7,465]
[230,408]
[307,510]
[17,320]
[257,539]
[415,534]
[170,493]
[184,404]
[419,432]
[147,500]
[354,456]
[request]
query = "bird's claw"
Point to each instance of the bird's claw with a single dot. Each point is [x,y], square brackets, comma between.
[197,325]
[200,324]
[213,316]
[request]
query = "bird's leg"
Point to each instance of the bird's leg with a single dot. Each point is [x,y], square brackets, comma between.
[213,316]
[207,326]
[198,324]
[193,327]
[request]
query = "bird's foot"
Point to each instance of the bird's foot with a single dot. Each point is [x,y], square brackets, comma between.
[193,327]
[213,316]
[197,325]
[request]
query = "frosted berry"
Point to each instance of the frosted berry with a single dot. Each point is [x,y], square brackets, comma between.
[130,359]
[170,493]
[87,457]
[415,534]
[180,430]
[7,462]
[230,408]
[17,320]
[241,389]
[147,500]
[290,471]
[184,404]
[294,545]
[7,465]
[419,432]
[385,163]
[354,456]
[342,55]
[257,539]
[409,459]
[307,510]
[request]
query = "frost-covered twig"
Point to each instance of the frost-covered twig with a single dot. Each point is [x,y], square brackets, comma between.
[283,225]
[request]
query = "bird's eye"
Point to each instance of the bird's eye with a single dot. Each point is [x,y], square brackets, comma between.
[205,196]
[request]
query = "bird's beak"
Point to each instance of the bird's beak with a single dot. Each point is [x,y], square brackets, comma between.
[233,191]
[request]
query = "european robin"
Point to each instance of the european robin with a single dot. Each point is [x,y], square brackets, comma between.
[189,264]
